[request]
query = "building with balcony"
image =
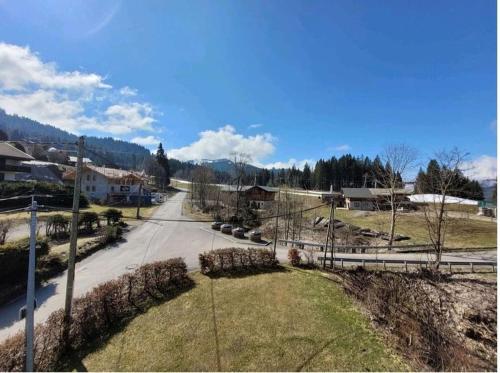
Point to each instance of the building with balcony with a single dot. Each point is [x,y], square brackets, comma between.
[111,185]
[11,160]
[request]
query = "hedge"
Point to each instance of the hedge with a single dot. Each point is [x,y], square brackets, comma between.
[96,314]
[64,194]
[221,260]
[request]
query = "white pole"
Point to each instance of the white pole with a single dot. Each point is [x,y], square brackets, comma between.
[30,294]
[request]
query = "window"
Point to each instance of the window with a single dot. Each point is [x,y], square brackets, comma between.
[88,177]
[112,188]
[93,188]
[93,177]
[87,188]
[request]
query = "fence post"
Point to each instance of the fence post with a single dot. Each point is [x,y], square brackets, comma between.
[449,266]
[406,266]
[342,263]
[472,267]
[384,265]
[363,263]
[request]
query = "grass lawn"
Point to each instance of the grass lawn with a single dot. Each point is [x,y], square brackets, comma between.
[290,320]
[461,232]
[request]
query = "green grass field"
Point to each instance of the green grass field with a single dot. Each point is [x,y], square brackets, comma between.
[290,320]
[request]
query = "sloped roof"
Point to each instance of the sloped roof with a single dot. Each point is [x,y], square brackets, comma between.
[109,173]
[369,193]
[244,188]
[9,151]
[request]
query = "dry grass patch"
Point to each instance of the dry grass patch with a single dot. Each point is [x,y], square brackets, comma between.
[287,320]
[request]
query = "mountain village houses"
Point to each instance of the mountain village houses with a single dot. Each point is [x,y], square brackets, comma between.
[111,185]
[11,160]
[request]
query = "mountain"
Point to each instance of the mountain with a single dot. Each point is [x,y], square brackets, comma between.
[226,165]
[488,187]
[102,150]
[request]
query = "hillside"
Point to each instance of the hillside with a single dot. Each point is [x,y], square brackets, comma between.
[121,153]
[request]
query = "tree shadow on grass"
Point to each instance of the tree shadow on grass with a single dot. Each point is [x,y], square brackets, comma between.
[245,272]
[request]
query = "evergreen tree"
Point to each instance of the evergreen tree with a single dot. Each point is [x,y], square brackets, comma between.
[162,160]
[306,177]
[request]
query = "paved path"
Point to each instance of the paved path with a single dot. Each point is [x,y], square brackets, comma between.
[151,241]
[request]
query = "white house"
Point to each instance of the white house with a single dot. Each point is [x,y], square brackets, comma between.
[107,185]
[10,162]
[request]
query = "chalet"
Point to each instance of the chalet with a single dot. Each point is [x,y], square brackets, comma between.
[10,162]
[370,199]
[110,185]
[261,197]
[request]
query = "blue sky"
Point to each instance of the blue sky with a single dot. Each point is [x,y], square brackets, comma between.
[280,80]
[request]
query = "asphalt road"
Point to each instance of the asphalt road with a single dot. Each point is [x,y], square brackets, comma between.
[152,241]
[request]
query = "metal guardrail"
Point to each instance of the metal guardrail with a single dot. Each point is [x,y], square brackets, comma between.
[406,262]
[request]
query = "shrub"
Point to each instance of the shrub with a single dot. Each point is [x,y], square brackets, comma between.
[294,257]
[111,234]
[87,219]
[113,216]
[57,226]
[96,314]
[4,230]
[221,260]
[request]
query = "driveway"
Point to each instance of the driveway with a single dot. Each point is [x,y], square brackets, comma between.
[151,241]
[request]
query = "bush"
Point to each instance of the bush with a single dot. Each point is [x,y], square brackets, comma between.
[111,234]
[96,314]
[4,230]
[57,226]
[113,216]
[87,219]
[294,257]
[221,260]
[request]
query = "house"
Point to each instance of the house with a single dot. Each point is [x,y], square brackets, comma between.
[73,159]
[261,197]
[370,199]
[111,185]
[10,162]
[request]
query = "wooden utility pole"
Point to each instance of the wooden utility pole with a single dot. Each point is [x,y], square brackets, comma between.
[276,224]
[73,240]
[328,235]
[138,213]
[332,264]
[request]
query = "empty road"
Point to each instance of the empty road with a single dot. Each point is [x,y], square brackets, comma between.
[149,242]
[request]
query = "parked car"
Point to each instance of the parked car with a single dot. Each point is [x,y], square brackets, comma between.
[256,235]
[226,228]
[216,225]
[239,232]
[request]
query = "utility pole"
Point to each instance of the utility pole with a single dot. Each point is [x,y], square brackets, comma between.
[332,264]
[328,235]
[30,294]
[138,214]
[276,224]
[73,240]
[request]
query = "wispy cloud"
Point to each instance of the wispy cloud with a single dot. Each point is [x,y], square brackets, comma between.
[256,125]
[342,148]
[146,141]
[290,163]
[482,168]
[127,91]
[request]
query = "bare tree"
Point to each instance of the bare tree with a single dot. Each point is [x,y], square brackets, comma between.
[240,162]
[398,160]
[444,182]
[203,177]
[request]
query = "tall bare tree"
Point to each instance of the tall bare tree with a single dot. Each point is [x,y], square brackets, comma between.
[398,159]
[450,168]
[203,177]
[240,163]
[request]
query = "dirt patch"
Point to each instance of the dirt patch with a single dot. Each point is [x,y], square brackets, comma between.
[439,322]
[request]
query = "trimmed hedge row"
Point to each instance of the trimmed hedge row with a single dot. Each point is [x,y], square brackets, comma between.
[97,313]
[231,259]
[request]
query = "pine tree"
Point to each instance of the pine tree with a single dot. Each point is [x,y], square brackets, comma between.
[163,162]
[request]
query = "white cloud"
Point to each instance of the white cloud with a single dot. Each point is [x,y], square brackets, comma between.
[342,148]
[493,125]
[127,91]
[224,141]
[21,69]
[291,162]
[482,168]
[145,141]
[256,125]
[70,100]
[125,118]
